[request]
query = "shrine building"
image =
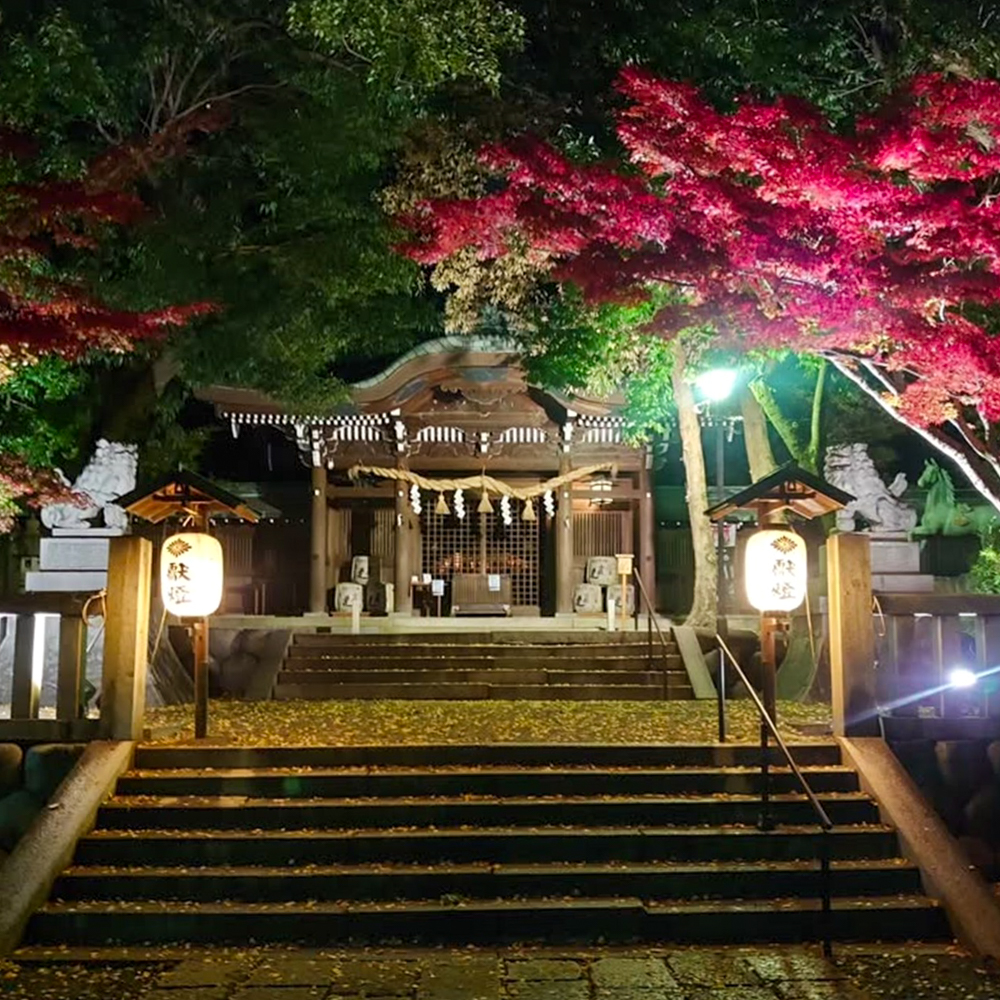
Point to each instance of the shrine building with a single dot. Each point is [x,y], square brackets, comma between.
[388,506]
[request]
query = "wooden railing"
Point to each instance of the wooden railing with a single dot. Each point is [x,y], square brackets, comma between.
[26,617]
[921,638]
[123,677]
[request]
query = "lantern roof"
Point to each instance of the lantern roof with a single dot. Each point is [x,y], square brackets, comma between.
[184,492]
[788,488]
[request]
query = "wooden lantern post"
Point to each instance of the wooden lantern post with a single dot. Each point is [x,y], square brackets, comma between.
[196,499]
[789,489]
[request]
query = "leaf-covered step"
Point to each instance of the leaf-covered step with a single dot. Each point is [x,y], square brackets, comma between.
[331,783]
[663,880]
[889,918]
[498,845]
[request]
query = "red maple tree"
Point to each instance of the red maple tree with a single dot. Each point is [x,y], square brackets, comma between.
[44,309]
[877,247]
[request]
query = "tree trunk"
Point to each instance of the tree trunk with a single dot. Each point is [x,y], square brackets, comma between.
[705,604]
[758,445]
[787,429]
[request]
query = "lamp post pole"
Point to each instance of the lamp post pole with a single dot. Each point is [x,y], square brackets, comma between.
[720,479]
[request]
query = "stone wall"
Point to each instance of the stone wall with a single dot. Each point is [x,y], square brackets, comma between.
[961,778]
[27,780]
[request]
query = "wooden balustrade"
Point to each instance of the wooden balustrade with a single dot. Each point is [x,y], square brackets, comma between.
[123,678]
[921,638]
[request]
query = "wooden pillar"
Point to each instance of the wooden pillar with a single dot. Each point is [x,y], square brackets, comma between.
[126,638]
[852,640]
[647,538]
[317,543]
[564,544]
[72,666]
[407,528]
[25,686]
[199,648]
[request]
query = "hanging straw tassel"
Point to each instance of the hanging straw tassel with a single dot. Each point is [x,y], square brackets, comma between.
[529,512]
[485,507]
[441,507]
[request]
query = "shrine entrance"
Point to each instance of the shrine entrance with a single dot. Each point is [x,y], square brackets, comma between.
[449,476]
[507,552]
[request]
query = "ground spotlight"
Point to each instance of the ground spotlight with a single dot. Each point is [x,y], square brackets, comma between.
[962,677]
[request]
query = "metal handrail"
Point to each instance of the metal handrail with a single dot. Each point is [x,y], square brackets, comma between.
[824,818]
[650,622]
[825,823]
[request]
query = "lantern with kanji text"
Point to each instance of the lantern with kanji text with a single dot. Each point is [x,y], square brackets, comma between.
[191,574]
[775,570]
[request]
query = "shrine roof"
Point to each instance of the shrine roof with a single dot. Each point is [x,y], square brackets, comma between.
[482,369]
[787,488]
[184,491]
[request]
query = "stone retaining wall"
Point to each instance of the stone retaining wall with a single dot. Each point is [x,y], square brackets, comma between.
[27,780]
[961,779]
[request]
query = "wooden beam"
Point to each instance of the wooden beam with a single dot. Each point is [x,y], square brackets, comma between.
[72,666]
[126,638]
[25,686]
[385,491]
[317,542]
[852,639]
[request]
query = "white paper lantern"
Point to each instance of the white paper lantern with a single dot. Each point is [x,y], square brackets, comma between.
[775,570]
[191,574]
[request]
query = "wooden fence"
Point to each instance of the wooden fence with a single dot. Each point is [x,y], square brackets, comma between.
[123,677]
[922,638]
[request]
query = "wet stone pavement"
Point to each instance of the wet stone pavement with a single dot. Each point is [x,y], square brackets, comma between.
[791,973]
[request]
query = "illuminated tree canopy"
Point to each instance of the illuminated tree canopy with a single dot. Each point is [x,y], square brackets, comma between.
[876,247]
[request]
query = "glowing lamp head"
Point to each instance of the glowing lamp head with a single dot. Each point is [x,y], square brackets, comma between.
[191,574]
[961,677]
[775,575]
[716,384]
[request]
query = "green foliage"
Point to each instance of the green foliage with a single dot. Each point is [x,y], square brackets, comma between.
[984,575]
[44,413]
[603,350]
[424,42]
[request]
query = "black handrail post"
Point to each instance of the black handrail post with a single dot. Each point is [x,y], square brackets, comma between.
[720,695]
[826,892]
[766,822]
[649,638]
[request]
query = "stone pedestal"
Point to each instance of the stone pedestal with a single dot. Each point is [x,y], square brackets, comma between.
[895,562]
[72,562]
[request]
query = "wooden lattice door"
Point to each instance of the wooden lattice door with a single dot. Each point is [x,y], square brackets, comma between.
[482,543]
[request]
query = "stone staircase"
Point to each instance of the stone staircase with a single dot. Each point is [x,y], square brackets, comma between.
[464,844]
[505,665]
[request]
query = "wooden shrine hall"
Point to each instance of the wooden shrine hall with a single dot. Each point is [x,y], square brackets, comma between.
[386,484]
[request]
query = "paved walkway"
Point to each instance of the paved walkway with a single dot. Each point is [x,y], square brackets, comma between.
[792,973]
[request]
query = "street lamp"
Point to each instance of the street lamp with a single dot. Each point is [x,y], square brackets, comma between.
[716,385]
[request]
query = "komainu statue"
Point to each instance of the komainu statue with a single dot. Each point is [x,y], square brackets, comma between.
[849,467]
[110,473]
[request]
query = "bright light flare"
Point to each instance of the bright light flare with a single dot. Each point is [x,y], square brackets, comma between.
[962,677]
[717,383]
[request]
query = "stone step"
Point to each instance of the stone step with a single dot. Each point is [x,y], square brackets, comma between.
[486,663]
[895,918]
[419,690]
[494,676]
[658,755]
[234,812]
[634,651]
[501,639]
[330,783]
[663,880]
[500,845]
